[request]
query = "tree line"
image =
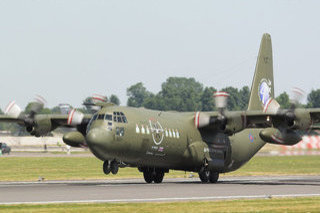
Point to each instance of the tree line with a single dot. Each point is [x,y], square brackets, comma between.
[186,94]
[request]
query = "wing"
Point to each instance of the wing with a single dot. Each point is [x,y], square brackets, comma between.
[41,124]
[235,121]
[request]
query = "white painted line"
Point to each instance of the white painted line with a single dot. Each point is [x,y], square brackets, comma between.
[166,199]
[168,180]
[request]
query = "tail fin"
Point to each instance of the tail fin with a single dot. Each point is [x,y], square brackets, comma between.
[262,89]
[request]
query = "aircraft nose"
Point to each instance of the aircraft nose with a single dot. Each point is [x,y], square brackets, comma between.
[99,137]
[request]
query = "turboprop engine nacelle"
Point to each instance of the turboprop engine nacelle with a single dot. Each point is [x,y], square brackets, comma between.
[235,122]
[231,123]
[74,139]
[39,126]
[275,136]
[301,121]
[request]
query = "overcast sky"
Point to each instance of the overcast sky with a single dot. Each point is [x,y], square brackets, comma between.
[68,50]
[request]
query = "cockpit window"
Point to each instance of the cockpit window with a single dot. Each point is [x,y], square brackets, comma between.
[108,117]
[94,117]
[100,116]
[120,131]
[119,117]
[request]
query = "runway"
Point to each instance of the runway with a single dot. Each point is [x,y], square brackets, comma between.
[171,190]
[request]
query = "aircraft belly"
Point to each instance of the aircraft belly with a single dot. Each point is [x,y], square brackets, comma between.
[244,145]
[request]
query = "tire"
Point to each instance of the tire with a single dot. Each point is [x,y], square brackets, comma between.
[106,167]
[114,167]
[148,177]
[158,176]
[204,176]
[213,177]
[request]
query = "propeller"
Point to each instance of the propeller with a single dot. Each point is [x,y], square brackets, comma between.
[297,95]
[28,119]
[290,114]
[202,119]
[75,117]
[292,119]
[65,108]
[221,100]
[14,110]
[91,102]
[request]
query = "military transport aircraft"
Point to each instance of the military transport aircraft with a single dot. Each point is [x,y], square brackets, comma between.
[155,141]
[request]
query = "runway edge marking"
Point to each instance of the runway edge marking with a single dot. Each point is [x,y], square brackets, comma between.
[165,199]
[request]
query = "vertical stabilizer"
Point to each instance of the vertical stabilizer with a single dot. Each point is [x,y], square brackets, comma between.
[262,89]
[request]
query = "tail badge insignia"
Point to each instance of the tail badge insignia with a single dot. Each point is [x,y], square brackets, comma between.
[264,91]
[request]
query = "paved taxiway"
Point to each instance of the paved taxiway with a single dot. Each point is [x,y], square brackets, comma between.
[135,190]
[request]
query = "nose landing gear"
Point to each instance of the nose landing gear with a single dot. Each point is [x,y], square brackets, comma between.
[110,166]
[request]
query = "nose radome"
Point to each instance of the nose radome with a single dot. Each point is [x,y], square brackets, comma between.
[99,136]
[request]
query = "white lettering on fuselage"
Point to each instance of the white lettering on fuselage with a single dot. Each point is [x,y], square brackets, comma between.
[157,131]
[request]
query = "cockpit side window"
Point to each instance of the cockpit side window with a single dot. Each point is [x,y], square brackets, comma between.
[100,117]
[94,117]
[119,117]
[108,117]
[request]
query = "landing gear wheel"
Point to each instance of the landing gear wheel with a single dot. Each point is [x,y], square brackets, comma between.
[204,176]
[106,167]
[148,177]
[158,176]
[213,177]
[114,167]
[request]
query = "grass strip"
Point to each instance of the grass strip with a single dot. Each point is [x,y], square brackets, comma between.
[310,204]
[84,168]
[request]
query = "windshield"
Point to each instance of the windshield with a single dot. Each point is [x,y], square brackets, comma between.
[94,117]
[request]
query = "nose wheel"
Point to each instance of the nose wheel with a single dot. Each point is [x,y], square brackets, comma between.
[110,166]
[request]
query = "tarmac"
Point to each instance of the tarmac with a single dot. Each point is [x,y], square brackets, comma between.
[171,190]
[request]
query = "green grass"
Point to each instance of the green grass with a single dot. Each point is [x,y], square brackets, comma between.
[281,165]
[82,168]
[311,204]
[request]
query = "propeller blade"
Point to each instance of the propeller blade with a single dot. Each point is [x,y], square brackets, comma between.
[96,98]
[297,95]
[37,105]
[65,108]
[91,102]
[13,109]
[75,117]
[221,99]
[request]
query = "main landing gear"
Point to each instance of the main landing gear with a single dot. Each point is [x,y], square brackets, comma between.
[110,166]
[153,174]
[208,176]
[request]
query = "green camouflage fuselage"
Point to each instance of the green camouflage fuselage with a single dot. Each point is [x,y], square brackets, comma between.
[167,140]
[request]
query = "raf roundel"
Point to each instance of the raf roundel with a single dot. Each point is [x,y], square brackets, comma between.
[251,138]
